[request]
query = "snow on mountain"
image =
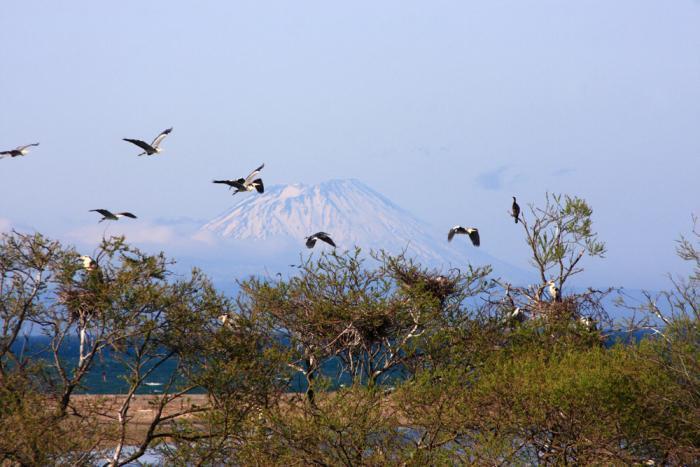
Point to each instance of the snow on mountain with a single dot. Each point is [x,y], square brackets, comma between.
[352,213]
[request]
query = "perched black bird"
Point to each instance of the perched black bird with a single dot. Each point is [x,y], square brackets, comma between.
[18,151]
[154,147]
[249,183]
[516,210]
[107,215]
[472,232]
[323,236]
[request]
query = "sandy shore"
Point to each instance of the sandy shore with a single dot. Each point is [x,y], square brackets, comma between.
[104,408]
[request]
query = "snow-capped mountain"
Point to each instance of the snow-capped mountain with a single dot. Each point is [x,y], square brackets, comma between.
[352,213]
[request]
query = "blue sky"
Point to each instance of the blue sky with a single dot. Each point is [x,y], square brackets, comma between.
[446,107]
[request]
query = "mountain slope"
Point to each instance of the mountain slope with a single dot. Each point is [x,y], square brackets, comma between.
[352,213]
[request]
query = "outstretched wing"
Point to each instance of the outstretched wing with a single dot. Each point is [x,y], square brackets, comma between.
[311,241]
[156,142]
[326,238]
[474,237]
[142,144]
[22,148]
[450,235]
[225,182]
[258,184]
[457,229]
[104,212]
[253,174]
[126,214]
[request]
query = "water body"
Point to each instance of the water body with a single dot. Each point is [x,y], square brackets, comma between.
[107,375]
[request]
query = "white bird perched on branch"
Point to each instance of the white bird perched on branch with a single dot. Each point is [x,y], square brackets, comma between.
[471,231]
[588,322]
[154,147]
[249,183]
[107,215]
[88,263]
[18,151]
[554,291]
[226,319]
[323,236]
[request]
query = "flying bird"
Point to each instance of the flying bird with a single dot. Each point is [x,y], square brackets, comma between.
[249,183]
[323,236]
[107,215]
[471,231]
[516,210]
[18,151]
[154,147]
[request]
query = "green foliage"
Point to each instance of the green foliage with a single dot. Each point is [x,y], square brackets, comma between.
[492,374]
[559,235]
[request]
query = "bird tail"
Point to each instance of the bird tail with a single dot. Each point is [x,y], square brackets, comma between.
[516,219]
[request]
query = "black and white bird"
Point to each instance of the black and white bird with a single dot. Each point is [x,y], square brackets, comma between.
[154,147]
[88,263]
[323,236]
[227,319]
[588,322]
[554,291]
[18,151]
[249,183]
[516,316]
[515,212]
[109,216]
[471,231]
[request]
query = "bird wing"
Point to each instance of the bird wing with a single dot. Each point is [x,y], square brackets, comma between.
[126,214]
[22,148]
[104,212]
[253,174]
[5,153]
[326,238]
[226,182]
[258,184]
[457,229]
[311,241]
[158,139]
[474,237]
[142,144]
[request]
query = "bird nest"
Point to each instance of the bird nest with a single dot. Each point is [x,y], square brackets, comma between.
[557,311]
[79,303]
[436,285]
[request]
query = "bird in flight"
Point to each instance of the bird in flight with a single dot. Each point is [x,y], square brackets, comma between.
[154,147]
[107,215]
[18,151]
[471,231]
[323,236]
[515,210]
[249,183]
